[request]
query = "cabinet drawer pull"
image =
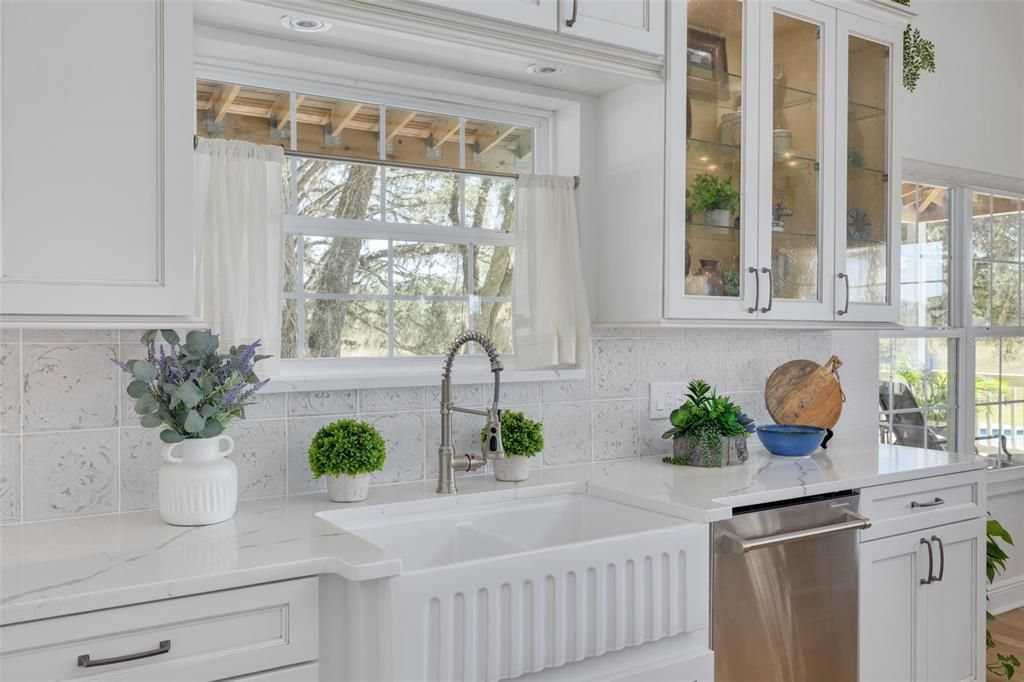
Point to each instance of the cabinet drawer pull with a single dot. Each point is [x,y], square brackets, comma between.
[571,21]
[846,280]
[85,661]
[757,289]
[931,563]
[934,503]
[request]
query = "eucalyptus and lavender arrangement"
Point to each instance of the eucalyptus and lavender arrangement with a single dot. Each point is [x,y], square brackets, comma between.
[189,388]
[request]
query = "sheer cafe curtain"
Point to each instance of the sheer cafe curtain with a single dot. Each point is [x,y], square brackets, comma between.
[238,218]
[550,321]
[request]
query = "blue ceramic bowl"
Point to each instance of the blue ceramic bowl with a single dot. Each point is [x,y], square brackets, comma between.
[790,440]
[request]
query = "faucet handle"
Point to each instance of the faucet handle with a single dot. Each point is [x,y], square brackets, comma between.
[492,446]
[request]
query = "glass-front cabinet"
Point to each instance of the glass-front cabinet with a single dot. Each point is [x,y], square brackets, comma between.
[867,244]
[778,195]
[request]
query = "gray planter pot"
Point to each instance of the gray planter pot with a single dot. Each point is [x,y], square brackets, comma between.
[688,450]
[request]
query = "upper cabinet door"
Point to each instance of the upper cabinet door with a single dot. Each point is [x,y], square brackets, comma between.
[95,142]
[541,14]
[634,24]
[711,203]
[867,228]
[797,170]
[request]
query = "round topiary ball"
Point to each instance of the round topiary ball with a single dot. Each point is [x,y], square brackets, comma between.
[520,435]
[346,447]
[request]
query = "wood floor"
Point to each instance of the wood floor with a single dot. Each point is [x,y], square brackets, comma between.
[1008,632]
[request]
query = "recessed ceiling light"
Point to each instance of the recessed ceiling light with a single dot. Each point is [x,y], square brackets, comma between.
[305,24]
[543,69]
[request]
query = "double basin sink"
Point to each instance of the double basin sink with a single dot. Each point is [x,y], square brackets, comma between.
[493,587]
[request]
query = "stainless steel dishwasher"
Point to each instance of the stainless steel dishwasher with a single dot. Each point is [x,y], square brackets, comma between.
[784,591]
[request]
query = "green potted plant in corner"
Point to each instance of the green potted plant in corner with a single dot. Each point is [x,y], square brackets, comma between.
[1005,665]
[716,198]
[708,429]
[347,452]
[522,438]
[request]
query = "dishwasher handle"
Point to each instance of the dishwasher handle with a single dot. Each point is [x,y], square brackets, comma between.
[734,544]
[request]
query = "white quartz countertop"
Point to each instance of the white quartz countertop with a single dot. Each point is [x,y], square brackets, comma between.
[52,568]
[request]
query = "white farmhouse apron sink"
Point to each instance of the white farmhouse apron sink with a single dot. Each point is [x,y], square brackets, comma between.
[493,588]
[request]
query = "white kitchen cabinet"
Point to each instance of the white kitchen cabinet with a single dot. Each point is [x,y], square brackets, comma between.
[757,95]
[208,636]
[921,613]
[777,125]
[637,24]
[542,14]
[95,141]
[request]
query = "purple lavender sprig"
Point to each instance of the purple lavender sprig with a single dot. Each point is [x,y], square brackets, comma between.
[188,388]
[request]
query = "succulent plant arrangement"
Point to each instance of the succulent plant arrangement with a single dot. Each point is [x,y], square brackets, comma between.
[520,435]
[190,388]
[346,447]
[707,417]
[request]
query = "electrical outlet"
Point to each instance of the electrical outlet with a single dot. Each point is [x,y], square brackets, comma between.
[665,397]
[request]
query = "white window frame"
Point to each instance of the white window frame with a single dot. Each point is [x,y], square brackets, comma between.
[978,332]
[955,329]
[328,373]
[962,184]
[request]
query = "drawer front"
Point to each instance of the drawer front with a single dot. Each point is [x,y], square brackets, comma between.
[202,637]
[912,505]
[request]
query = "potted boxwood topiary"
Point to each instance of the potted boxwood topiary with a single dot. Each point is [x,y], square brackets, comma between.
[347,452]
[708,429]
[522,438]
[716,198]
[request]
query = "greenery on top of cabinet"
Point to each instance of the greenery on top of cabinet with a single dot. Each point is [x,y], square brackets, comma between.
[918,54]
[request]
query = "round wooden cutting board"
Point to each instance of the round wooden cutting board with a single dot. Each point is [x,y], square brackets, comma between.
[804,392]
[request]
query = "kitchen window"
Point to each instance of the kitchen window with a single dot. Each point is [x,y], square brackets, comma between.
[996,319]
[959,361]
[917,392]
[398,218]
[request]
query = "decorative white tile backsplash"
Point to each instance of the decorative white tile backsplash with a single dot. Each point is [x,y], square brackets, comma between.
[69,472]
[70,442]
[69,386]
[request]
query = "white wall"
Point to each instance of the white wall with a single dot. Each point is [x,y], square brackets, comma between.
[970,113]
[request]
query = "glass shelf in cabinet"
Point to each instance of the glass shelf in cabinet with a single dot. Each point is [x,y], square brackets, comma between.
[860,112]
[798,234]
[865,171]
[787,97]
[712,228]
[711,85]
[795,160]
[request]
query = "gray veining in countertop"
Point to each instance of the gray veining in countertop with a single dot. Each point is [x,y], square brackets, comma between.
[64,566]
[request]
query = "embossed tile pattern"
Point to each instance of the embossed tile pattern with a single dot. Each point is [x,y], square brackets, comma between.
[71,472]
[84,452]
[10,391]
[69,387]
[10,478]
[615,429]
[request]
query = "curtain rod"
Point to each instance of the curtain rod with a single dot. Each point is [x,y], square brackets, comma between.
[396,164]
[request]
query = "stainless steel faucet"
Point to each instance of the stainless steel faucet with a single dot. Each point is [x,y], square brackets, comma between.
[447,461]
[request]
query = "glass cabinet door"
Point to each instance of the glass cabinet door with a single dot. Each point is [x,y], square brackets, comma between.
[866,254]
[714,249]
[794,236]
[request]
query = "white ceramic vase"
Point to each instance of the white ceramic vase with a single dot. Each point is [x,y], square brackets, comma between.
[345,488]
[512,468]
[198,484]
[719,217]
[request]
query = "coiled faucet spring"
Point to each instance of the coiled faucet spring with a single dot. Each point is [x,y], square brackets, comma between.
[492,447]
